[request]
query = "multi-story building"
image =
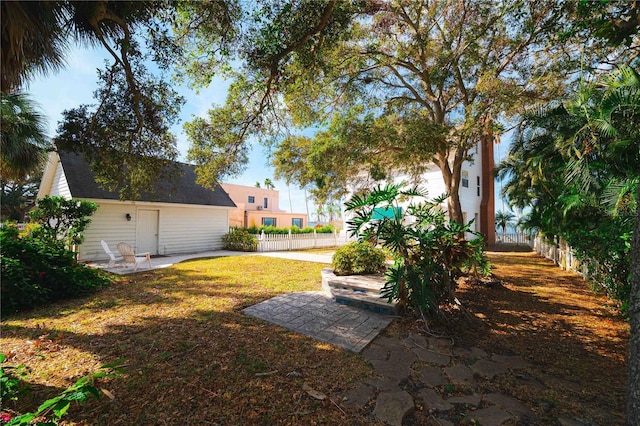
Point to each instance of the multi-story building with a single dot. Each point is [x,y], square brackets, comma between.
[476,190]
[260,206]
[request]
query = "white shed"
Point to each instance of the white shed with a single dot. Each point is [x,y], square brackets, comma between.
[187,219]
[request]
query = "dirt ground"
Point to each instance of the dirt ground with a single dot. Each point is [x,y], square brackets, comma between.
[574,339]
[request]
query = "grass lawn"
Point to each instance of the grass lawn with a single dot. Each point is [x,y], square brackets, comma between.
[191,356]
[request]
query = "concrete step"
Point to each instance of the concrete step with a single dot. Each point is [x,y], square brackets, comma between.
[365,283]
[367,301]
[361,291]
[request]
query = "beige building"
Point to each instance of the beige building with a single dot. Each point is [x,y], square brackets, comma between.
[260,206]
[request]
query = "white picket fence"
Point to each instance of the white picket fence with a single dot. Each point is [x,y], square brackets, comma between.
[518,238]
[290,241]
[561,253]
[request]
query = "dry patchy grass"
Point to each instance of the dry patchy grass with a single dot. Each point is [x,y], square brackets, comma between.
[191,356]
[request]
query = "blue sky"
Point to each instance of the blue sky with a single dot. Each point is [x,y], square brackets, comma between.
[74,85]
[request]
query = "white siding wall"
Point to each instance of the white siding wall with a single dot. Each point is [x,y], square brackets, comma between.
[182,228]
[433,183]
[60,187]
[108,223]
[469,198]
[189,230]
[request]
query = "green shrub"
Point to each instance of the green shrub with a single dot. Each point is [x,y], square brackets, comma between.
[35,272]
[325,229]
[62,220]
[358,258]
[255,230]
[12,383]
[239,240]
[429,251]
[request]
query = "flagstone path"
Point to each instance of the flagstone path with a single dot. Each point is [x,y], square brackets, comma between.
[426,363]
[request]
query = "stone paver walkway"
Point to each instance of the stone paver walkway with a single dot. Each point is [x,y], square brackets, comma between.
[426,366]
[314,313]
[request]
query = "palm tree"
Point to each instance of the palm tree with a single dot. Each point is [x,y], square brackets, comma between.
[570,158]
[23,142]
[37,35]
[269,184]
[33,40]
[504,219]
[611,137]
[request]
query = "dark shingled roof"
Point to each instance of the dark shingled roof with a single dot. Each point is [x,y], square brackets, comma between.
[184,190]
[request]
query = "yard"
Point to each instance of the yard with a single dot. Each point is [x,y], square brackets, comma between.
[191,356]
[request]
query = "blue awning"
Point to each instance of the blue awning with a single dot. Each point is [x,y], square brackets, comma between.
[380,213]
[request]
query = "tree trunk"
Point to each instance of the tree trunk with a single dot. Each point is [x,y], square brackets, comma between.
[455,209]
[452,184]
[632,411]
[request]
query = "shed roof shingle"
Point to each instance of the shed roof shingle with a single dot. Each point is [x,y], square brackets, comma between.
[184,190]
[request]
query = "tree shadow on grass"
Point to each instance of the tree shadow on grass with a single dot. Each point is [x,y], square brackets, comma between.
[191,356]
[209,367]
[574,344]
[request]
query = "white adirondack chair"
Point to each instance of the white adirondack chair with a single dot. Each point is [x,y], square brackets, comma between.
[112,257]
[130,258]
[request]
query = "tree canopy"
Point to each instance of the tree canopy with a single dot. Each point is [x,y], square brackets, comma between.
[129,125]
[391,85]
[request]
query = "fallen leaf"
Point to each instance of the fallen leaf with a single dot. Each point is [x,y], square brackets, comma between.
[313,393]
[108,393]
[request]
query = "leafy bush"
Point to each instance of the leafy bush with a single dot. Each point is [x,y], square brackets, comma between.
[56,408]
[324,229]
[11,381]
[255,230]
[358,258]
[61,219]
[429,251]
[35,271]
[239,240]
[604,246]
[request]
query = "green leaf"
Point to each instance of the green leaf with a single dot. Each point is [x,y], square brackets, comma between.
[61,408]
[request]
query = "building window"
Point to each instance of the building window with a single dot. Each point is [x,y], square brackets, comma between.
[266,203]
[269,221]
[296,221]
[252,199]
[465,179]
[478,185]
